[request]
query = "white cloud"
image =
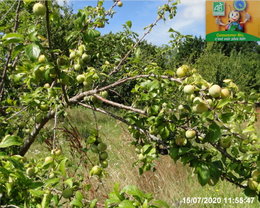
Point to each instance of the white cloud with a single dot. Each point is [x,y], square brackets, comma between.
[189,20]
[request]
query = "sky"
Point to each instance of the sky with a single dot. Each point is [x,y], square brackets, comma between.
[190,18]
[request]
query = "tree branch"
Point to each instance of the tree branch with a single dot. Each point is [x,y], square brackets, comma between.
[117,83]
[120,105]
[31,138]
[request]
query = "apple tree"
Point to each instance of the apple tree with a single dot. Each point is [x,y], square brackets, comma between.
[45,71]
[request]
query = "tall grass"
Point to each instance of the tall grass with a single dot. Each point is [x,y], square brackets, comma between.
[170,182]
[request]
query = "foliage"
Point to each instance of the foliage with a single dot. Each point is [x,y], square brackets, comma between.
[42,77]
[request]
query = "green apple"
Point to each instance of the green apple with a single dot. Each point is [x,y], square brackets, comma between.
[200,108]
[72,54]
[255,174]
[102,146]
[225,142]
[189,89]
[30,172]
[225,93]
[48,160]
[181,141]
[252,184]
[215,91]
[67,193]
[103,155]
[190,133]
[77,67]
[41,59]
[104,164]
[57,152]
[120,3]
[44,107]
[46,85]
[85,57]
[181,71]
[96,170]
[39,9]
[81,49]
[181,107]
[104,94]
[80,78]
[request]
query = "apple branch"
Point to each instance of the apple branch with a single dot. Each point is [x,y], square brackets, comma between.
[120,105]
[117,83]
[31,138]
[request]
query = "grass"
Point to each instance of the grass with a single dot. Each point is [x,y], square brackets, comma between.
[170,182]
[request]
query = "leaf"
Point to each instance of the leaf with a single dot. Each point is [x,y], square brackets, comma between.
[9,141]
[203,174]
[76,203]
[62,166]
[126,204]
[69,182]
[129,23]
[133,191]
[32,51]
[223,102]
[13,38]
[161,204]
[93,203]
[214,133]
[249,129]
[79,196]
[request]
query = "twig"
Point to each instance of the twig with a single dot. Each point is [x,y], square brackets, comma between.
[117,83]
[120,105]
[54,129]
[17,113]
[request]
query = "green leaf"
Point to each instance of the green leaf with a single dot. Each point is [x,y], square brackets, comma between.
[133,190]
[129,24]
[93,203]
[62,166]
[223,102]
[9,141]
[213,133]
[79,196]
[32,51]
[126,204]
[69,182]
[76,203]
[161,204]
[203,174]
[13,38]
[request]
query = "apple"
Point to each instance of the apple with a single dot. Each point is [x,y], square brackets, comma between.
[81,48]
[252,184]
[180,107]
[255,174]
[215,91]
[181,141]
[225,142]
[85,57]
[39,9]
[104,94]
[77,67]
[80,78]
[67,193]
[104,164]
[190,133]
[181,72]
[48,160]
[91,139]
[120,3]
[200,108]
[30,172]
[210,102]
[102,146]
[197,100]
[100,25]
[189,89]
[46,85]
[41,59]
[96,170]
[225,93]
[44,107]
[72,55]
[103,155]
[57,152]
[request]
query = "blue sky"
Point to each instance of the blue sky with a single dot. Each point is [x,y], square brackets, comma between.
[190,19]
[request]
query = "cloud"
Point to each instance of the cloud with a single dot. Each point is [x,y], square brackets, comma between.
[189,21]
